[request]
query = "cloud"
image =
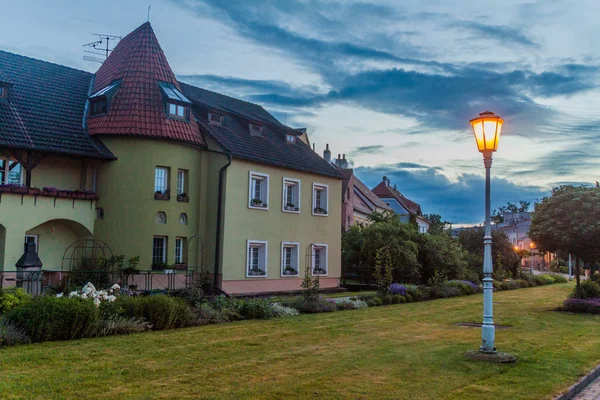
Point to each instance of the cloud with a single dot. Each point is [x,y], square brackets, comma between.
[460,201]
[501,34]
[374,149]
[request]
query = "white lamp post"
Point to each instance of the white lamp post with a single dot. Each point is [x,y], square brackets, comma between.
[487,127]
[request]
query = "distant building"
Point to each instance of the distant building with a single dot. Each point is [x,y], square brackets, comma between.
[359,202]
[516,228]
[401,205]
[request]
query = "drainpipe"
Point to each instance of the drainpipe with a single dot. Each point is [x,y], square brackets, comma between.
[219,212]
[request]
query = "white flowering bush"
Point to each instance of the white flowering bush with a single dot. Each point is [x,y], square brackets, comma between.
[88,291]
[347,303]
[283,311]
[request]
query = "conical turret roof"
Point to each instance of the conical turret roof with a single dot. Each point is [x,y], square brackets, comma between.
[138,107]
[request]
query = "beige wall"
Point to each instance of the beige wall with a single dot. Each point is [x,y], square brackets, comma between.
[62,173]
[275,226]
[59,222]
[126,193]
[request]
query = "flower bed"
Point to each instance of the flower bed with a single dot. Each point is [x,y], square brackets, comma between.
[585,306]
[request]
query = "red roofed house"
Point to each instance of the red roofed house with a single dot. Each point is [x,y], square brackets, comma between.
[187,179]
[400,204]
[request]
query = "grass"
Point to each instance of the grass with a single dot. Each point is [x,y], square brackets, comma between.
[402,351]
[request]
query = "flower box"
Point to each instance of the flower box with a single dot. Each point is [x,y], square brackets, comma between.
[64,193]
[183,198]
[5,188]
[35,191]
[319,210]
[78,195]
[292,208]
[290,271]
[180,267]
[258,203]
[48,191]
[20,189]
[319,271]
[162,196]
[256,272]
[91,196]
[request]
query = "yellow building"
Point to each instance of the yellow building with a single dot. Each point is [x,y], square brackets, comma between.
[184,178]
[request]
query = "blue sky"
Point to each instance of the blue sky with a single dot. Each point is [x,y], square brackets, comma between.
[390,84]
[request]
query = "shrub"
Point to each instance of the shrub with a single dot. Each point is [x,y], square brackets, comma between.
[590,306]
[444,290]
[122,326]
[346,303]
[397,299]
[589,290]
[397,289]
[522,283]
[409,298]
[419,293]
[56,318]
[12,335]
[374,302]
[255,309]
[548,279]
[12,299]
[193,296]
[162,312]
[558,278]
[366,297]
[386,299]
[465,287]
[497,285]
[280,311]
[312,307]
[509,285]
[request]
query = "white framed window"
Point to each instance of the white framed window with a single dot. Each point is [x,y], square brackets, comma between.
[181,182]
[291,139]
[159,250]
[291,195]
[10,172]
[320,199]
[256,259]
[32,239]
[258,191]
[290,258]
[319,260]
[256,130]
[161,180]
[180,243]
[215,118]
[177,111]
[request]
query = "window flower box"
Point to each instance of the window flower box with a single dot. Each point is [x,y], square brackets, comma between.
[291,207]
[258,203]
[256,272]
[77,194]
[64,193]
[35,191]
[19,189]
[50,191]
[180,267]
[290,271]
[183,197]
[320,210]
[159,266]
[166,195]
[91,196]
[319,271]
[7,188]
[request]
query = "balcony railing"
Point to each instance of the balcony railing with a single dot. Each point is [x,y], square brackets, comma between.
[48,192]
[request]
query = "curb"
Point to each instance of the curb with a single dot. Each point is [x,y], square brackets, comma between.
[579,386]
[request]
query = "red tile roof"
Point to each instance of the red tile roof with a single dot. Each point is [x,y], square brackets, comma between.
[384,191]
[138,107]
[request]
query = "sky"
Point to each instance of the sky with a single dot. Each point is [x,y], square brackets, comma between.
[391,84]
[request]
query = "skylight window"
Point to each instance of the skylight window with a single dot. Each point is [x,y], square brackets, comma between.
[291,139]
[177,105]
[215,118]
[3,90]
[256,130]
[172,93]
[100,100]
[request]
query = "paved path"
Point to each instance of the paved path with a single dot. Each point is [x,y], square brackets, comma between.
[591,392]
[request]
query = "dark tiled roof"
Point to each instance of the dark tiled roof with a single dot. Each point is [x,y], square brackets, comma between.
[138,107]
[45,108]
[383,190]
[270,148]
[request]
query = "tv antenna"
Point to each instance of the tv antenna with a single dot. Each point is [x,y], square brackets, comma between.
[100,49]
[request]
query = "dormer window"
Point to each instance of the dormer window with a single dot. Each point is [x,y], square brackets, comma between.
[100,101]
[256,130]
[291,139]
[215,119]
[177,105]
[3,92]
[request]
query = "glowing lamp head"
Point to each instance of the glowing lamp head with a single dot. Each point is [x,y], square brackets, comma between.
[487,127]
[516,248]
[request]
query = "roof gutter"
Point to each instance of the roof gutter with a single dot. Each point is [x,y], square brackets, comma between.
[218,244]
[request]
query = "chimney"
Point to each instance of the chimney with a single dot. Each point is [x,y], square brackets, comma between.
[327,153]
[389,182]
[395,187]
[385,180]
[314,148]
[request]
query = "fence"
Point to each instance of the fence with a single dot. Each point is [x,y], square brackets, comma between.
[35,282]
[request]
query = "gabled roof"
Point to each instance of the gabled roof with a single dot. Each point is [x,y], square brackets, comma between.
[45,108]
[138,107]
[384,191]
[234,133]
[352,180]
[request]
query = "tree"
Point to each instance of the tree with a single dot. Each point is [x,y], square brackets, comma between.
[569,220]
[437,225]
[502,250]
[443,254]
[509,208]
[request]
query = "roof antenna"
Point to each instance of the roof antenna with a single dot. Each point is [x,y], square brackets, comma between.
[100,49]
[148,20]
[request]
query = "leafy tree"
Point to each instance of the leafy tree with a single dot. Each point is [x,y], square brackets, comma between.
[502,250]
[569,220]
[443,254]
[437,225]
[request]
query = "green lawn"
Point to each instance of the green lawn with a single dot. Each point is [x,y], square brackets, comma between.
[407,351]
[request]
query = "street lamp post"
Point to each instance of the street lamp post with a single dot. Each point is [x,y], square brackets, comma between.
[487,127]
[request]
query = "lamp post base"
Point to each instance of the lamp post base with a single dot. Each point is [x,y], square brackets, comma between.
[502,358]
